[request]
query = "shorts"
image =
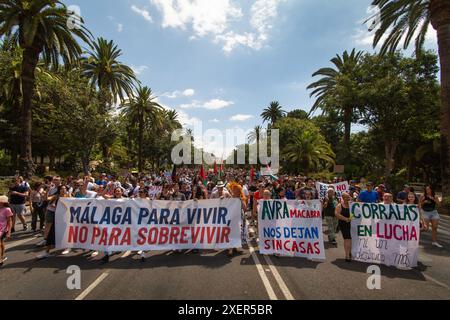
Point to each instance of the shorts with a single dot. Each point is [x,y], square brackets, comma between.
[3,235]
[18,209]
[431,215]
[50,217]
[345,228]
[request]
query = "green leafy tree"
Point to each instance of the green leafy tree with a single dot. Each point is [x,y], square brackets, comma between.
[141,109]
[42,31]
[338,89]
[410,19]
[273,113]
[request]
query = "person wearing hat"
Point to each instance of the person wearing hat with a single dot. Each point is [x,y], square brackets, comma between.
[6,216]
[220,192]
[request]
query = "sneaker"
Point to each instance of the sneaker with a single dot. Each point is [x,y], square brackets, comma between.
[140,252]
[41,243]
[67,251]
[437,245]
[334,242]
[43,255]
[25,227]
[94,254]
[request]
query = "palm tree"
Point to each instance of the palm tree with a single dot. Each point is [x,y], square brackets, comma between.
[114,80]
[104,70]
[338,85]
[273,113]
[308,151]
[42,31]
[255,137]
[142,109]
[411,18]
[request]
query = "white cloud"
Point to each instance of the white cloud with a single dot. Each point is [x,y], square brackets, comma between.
[177,94]
[119,27]
[241,117]
[216,18]
[214,121]
[186,120]
[142,12]
[214,104]
[139,70]
[188,92]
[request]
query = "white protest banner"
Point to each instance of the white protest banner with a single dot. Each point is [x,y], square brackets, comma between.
[339,188]
[291,228]
[385,234]
[139,224]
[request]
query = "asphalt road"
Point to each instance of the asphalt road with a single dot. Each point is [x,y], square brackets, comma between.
[213,275]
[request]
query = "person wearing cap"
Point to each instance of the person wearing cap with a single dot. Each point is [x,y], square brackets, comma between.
[369,195]
[402,196]
[220,193]
[6,217]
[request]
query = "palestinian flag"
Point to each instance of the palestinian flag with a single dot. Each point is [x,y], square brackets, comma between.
[221,171]
[203,175]
[270,174]
[216,170]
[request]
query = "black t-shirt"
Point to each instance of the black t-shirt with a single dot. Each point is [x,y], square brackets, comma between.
[15,199]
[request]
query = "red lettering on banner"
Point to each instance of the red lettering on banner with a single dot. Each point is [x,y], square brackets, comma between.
[163,235]
[184,231]
[210,231]
[153,236]
[73,234]
[195,232]
[126,239]
[141,236]
[95,234]
[225,235]
[83,234]
[174,233]
[114,236]
[104,237]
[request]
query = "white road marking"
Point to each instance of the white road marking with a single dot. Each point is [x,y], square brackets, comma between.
[286,292]
[17,243]
[92,286]
[436,281]
[265,280]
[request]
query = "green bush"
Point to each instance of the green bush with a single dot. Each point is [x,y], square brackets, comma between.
[446,203]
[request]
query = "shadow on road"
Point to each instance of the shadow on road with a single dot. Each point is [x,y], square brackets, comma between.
[390,272]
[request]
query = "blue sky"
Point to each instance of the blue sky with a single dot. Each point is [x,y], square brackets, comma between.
[221,62]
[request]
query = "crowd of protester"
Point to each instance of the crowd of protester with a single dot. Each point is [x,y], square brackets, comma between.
[186,184]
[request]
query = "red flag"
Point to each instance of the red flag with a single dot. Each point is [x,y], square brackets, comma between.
[216,170]
[203,175]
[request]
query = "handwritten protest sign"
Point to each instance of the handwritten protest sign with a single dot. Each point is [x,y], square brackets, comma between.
[138,224]
[385,234]
[339,188]
[291,228]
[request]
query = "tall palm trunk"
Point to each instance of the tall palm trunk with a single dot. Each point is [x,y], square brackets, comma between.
[440,19]
[347,130]
[140,142]
[29,64]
